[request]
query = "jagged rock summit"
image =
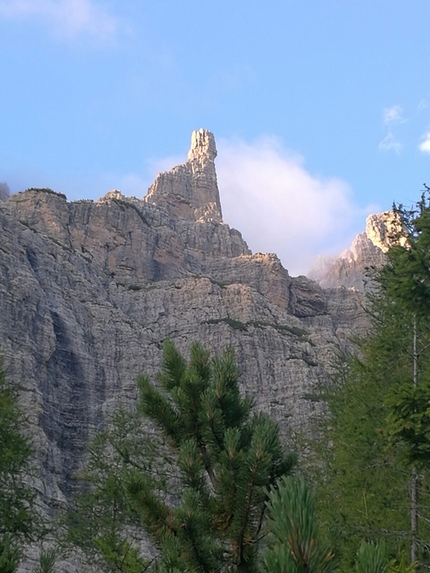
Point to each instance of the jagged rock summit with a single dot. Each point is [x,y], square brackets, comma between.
[367,250]
[190,190]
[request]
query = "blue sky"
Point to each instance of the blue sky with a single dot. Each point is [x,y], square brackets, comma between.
[320,108]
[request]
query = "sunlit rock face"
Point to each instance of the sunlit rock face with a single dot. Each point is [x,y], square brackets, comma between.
[90,290]
[384,230]
[350,268]
[190,190]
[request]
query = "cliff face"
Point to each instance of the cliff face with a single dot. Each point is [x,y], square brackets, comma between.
[90,290]
[190,191]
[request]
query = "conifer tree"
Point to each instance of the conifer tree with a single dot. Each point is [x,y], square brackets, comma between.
[385,394]
[19,522]
[202,499]
[297,545]
[372,558]
[406,282]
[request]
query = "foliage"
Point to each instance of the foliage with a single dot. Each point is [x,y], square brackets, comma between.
[298,546]
[19,521]
[405,282]
[202,498]
[372,558]
[101,519]
[400,565]
[10,554]
[47,560]
[378,411]
[363,490]
[409,420]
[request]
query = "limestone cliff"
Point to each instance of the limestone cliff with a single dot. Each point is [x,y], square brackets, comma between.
[90,290]
[190,191]
[4,191]
[367,250]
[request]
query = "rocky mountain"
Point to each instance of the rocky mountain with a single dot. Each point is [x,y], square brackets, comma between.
[90,290]
[4,191]
[368,250]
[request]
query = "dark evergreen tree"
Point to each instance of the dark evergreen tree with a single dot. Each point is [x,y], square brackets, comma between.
[19,522]
[372,558]
[297,545]
[363,486]
[379,415]
[202,499]
[406,282]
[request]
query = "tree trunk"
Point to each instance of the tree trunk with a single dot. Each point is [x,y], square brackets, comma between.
[413,492]
[414,514]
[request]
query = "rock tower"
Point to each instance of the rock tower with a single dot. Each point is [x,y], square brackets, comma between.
[190,190]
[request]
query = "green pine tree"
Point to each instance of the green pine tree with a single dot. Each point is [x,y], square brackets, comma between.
[202,497]
[406,284]
[19,521]
[297,545]
[379,415]
[101,519]
[372,558]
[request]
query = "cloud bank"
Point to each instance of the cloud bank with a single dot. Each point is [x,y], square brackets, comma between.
[67,18]
[268,195]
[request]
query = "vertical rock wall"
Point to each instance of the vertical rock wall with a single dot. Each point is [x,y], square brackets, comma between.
[90,290]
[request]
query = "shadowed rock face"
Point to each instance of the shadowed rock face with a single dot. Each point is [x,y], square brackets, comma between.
[90,290]
[4,191]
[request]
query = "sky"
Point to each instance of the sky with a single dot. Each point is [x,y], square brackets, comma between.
[320,108]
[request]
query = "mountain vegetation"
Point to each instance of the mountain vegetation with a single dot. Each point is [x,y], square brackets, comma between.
[20,521]
[202,499]
[375,470]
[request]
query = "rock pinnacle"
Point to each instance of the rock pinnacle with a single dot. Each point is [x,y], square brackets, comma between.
[190,190]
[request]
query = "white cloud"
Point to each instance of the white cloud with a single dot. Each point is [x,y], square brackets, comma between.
[424,146]
[422,105]
[390,143]
[393,115]
[268,195]
[66,17]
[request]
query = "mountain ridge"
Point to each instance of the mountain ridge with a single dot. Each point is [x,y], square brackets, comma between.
[89,290]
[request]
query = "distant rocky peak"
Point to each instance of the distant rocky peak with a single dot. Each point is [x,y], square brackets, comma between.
[367,250]
[383,229]
[202,146]
[190,190]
